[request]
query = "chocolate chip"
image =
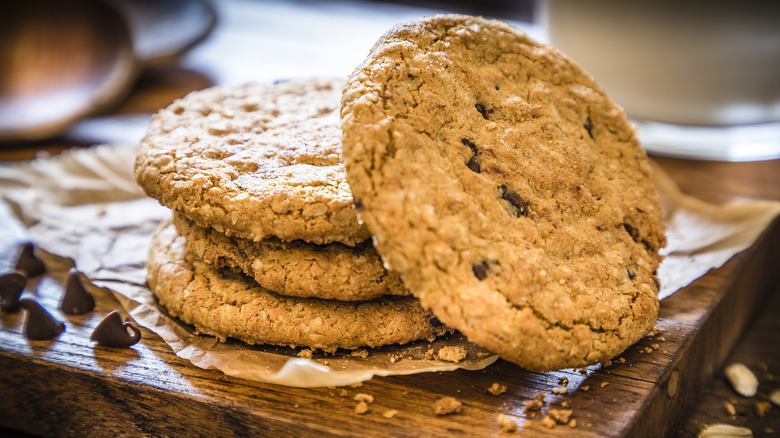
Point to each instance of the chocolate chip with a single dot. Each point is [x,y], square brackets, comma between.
[588,125]
[631,274]
[112,332]
[483,111]
[11,288]
[473,162]
[358,204]
[631,232]
[520,206]
[482,268]
[77,300]
[29,262]
[38,323]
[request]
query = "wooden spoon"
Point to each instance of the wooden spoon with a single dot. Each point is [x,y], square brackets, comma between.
[61,61]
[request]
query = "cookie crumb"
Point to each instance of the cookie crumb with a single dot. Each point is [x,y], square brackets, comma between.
[559,390]
[452,354]
[506,424]
[396,357]
[446,405]
[548,422]
[355,385]
[561,416]
[573,423]
[497,388]
[306,353]
[429,355]
[603,384]
[565,404]
[483,355]
[536,403]
[390,413]
[730,409]
[585,387]
[563,381]
[362,353]
[363,397]
[762,408]
[361,408]
[343,392]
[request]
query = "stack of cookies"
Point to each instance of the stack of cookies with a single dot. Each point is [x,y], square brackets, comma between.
[493,178]
[264,245]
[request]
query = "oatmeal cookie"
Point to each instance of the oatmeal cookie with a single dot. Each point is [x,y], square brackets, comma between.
[333,271]
[254,161]
[222,304]
[508,190]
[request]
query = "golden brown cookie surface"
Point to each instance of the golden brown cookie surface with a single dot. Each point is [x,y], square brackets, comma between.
[254,161]
[506,188]
[224,305]
[332,271]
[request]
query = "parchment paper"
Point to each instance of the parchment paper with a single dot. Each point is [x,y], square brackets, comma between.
[84,205]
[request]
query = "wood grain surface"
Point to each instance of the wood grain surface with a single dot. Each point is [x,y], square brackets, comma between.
[71,387]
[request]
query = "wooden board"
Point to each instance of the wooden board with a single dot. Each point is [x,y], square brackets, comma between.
[69,386]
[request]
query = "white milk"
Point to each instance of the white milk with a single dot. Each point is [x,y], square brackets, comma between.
[683,62]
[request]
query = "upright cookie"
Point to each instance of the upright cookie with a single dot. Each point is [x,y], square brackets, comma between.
[506,188]
[333,271]
[254,161]
[224,305]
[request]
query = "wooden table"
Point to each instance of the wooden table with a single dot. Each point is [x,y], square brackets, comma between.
[69,387]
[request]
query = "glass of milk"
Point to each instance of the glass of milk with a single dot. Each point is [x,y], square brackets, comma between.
[699,79]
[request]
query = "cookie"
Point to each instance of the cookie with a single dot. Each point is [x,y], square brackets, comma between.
[226,305]
[254,161]
[506,188]
[333,271]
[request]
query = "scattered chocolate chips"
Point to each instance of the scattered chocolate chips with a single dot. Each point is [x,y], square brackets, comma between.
[77,299]
[11,288]
[473,162]
[520,207]
[29,262]
[38,323]
[112,332]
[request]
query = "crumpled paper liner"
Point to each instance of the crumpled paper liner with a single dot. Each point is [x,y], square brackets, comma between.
[84,205]
[702,236]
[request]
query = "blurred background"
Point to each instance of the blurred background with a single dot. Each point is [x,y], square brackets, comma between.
[700,79]
[93,71]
